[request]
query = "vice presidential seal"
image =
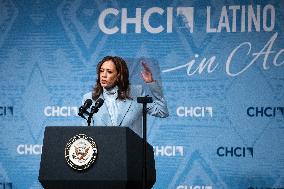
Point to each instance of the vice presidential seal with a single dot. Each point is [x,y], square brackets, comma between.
[81,152]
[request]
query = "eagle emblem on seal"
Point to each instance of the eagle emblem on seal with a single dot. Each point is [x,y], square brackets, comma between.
[80,152]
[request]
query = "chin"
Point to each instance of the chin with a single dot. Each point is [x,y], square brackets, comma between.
[107,86]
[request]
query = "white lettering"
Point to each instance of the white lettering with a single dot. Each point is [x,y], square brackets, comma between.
[168,151]
[125,20]
[208,20]
[136,20]
[203,64]
[169,19]
[243,19]
[229,60]
[268,45]
[146,17]
[266,51]
[29,149]
[101,21]
[194,111]
[276,57]
[271,9]
[200,67]
[234,21]
[56,111]
[251,18]
[223,21]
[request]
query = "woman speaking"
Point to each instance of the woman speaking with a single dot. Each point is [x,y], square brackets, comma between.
[120,107]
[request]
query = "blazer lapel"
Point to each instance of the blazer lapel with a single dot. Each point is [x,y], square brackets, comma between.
[123,107]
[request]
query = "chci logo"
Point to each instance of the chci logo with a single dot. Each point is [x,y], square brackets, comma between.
[81,152]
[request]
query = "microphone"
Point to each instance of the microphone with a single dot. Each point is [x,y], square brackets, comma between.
[95,109]
[83,109]
[97,105]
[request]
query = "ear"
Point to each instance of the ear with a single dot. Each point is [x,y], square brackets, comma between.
[117,77]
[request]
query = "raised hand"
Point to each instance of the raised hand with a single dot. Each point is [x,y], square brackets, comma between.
[146,73]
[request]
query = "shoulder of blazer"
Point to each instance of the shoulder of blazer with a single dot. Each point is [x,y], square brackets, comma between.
[87,96]
[135,91]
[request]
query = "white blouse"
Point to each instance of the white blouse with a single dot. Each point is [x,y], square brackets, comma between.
[110,97]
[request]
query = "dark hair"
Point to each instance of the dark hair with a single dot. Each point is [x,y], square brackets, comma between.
[122,80]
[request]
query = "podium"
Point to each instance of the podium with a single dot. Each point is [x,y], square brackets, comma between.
[118,165]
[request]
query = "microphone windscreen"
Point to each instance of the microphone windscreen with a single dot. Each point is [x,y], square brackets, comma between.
[99,102]
[88,103]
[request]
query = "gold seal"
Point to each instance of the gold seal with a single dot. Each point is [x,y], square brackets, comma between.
[81,152]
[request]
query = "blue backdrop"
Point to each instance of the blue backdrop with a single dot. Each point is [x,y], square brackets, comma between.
[221,65]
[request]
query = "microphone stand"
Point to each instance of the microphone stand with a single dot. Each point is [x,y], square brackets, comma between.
[89,120]
[144,100]
[93,110]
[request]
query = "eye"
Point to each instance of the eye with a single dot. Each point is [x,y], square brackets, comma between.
[101,70]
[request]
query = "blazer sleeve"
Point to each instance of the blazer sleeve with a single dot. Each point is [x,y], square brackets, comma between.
[159,106]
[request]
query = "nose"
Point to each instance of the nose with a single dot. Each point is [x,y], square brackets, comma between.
[104,74]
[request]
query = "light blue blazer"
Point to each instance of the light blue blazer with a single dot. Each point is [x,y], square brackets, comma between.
[130,112]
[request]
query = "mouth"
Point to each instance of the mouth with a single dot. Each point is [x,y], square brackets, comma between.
[103,81]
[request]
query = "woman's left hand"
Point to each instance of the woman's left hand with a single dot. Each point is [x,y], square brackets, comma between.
[146,73]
